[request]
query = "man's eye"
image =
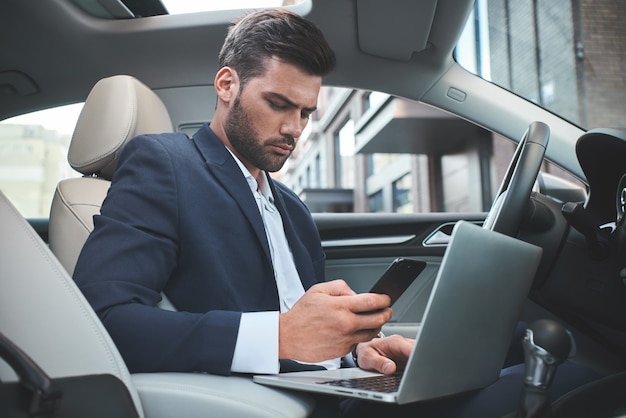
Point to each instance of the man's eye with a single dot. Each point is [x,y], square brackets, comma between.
[305,115]
[277,106]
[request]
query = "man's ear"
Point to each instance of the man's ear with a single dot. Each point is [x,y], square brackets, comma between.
[226,84]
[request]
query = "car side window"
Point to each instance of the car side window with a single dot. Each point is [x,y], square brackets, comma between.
[33,157]
[371,152]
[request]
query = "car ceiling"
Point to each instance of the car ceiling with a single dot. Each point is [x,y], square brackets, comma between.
[53,52]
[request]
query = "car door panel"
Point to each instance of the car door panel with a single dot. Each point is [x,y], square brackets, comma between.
[359,247]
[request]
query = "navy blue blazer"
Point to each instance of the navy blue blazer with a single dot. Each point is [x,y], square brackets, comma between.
[180,218]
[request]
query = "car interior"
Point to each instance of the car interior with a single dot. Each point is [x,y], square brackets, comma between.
[136,68]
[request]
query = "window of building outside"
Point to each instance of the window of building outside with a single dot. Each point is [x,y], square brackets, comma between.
[33,157]
[378,162]
[344,157]
[318,171]
[456,184]
[376,202]
[375,99]
[307,181]
[402,195]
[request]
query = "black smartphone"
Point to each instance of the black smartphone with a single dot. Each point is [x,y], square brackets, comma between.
[398,277]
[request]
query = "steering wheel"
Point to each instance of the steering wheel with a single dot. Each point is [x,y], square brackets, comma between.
[507,210]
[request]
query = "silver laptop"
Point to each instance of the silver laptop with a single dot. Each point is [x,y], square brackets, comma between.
[466,329]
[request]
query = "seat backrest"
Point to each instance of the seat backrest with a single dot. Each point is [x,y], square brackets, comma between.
[117,109]
[44,312]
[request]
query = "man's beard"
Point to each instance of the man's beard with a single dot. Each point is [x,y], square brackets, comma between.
[245,141]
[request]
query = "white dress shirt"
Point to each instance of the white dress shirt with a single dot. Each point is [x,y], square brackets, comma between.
[256,350]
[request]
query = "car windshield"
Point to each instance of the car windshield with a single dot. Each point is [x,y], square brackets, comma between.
[567,57]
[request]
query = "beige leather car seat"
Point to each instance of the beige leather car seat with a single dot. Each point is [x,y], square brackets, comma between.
[117,109]
[44,312]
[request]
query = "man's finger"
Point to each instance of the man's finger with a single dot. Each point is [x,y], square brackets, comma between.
[336,287]
[368,302]
[371,359]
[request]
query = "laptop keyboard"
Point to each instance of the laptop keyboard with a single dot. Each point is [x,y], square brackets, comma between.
[382,383]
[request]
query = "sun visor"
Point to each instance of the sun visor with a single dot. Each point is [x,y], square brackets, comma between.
[402,27]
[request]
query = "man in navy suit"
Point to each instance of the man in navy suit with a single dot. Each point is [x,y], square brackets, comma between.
[236,252]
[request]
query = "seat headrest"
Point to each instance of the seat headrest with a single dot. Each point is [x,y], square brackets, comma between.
[117,109]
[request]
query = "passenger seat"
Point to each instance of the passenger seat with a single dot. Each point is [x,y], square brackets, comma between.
[117,109]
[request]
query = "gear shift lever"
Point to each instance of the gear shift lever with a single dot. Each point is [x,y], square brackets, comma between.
[546,345]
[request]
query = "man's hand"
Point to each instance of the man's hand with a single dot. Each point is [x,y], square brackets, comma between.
[329,320]
[385,355]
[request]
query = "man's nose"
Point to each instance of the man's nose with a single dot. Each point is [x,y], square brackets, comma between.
[293,126]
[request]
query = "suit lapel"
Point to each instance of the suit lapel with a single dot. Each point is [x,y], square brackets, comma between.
[227,172]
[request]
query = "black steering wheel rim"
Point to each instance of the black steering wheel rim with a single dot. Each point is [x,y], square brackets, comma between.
[507,211]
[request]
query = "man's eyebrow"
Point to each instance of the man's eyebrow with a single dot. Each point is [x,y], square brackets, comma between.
[289,102]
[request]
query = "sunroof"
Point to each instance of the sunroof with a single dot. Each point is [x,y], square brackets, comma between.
[192,6]
[129,9]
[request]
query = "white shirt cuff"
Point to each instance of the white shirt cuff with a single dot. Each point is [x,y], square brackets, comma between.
[256,350]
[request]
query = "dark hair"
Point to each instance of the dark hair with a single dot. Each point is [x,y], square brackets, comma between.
[279,33]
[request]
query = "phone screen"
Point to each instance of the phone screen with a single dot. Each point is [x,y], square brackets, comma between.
[398,277]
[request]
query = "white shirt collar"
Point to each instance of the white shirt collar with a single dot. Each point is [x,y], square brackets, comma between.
[261,185]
